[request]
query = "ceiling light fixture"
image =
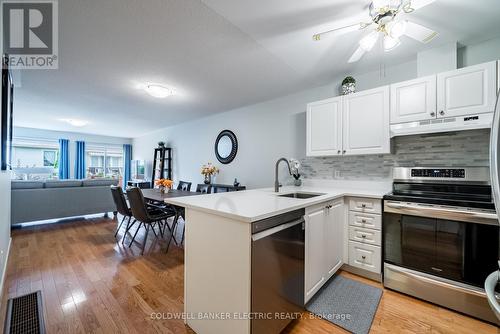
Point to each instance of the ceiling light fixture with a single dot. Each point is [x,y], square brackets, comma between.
[390,43]
[368,42]
[159,91]
[386,18]
[75,122]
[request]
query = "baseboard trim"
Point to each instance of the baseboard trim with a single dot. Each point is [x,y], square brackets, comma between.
[4,273]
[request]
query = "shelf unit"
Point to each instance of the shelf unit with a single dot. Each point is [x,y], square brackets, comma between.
[162,164]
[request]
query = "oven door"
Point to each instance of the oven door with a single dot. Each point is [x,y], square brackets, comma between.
[440,242]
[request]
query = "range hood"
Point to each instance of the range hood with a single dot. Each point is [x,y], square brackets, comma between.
[446,124]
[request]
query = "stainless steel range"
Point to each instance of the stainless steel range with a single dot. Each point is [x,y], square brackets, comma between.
[441,237]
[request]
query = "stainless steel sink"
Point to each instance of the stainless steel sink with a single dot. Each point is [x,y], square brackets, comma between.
[300,195]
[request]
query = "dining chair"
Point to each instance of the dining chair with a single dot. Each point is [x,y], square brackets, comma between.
[183,185]
[122,208]
[204,188]
[147,216]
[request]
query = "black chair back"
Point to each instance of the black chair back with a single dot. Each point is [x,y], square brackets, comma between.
[120,201]
[185,186]
[137,204]
[204,188]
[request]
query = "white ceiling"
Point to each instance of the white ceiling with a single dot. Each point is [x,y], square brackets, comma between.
[219,54]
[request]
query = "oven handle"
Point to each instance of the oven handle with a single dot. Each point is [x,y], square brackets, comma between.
[421,210]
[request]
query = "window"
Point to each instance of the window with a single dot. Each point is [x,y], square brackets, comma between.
[35,158]
[104,161]
[50,158]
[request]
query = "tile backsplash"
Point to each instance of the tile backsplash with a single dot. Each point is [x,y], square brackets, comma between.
[463,148]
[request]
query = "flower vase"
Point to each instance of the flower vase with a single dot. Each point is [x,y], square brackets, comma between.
[208,179]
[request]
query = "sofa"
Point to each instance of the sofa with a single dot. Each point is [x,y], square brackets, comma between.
[52,199]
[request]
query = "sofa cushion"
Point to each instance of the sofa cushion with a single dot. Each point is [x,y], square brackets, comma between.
[62,183]
[26,184]
[99,182]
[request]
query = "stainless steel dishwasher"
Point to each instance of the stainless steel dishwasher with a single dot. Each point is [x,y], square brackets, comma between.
[277,271]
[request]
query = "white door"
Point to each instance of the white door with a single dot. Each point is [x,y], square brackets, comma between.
[334,237]
[314,252]
[366,124]
[413,100]
[324,127]
[469,90]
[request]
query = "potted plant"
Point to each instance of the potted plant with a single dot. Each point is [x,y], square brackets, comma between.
[208,171]
[161,144]
[164,185]
[348,85]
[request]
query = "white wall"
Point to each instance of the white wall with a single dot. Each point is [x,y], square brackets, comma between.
[268,130]
[72,136]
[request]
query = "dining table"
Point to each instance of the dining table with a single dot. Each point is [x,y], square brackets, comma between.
[158,196]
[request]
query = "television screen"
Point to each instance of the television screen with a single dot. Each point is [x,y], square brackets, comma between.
[6,119]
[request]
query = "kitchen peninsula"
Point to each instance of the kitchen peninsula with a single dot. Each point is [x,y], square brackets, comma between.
[221,234]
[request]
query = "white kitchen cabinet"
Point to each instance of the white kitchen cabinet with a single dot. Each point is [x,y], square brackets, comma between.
[324,244]
[466,91]
[314,251]
[366,127]
[334,243]
[413,100]
[324,127]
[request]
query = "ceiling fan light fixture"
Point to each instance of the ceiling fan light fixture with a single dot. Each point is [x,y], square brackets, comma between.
[368,42]
[390,43]
[398,29]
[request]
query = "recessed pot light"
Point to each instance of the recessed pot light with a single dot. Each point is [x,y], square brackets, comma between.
[159,91]
[75,122]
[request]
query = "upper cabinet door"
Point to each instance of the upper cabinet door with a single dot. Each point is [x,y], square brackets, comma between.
[413,100]
[324,127]
[469,90]
[366,122]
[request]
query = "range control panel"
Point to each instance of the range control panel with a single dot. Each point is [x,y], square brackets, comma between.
[439,173]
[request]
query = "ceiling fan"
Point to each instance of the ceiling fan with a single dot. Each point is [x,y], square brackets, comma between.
[388,17]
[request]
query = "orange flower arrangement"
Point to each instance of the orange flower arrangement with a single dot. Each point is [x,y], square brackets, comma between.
[164,183]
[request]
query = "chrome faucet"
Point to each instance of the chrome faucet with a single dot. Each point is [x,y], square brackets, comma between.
[276,181]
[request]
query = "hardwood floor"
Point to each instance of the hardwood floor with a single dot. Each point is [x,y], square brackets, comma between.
[91,284]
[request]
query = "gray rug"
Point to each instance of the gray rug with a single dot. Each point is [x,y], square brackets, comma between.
[346,303]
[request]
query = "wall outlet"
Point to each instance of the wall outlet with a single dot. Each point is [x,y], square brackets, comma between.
[337,174]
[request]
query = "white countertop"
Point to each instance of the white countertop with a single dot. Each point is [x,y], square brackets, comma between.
[254,205]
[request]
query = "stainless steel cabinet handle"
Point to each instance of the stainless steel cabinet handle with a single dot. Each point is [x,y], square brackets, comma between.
[363,221]
[363,257]
[339,151]
[363,206]
[441,113]
[433,114]
[344,152]
[363,236]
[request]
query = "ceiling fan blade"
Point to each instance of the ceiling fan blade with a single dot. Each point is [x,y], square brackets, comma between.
[419,32]
[340,31]
[356,56]
[413,5]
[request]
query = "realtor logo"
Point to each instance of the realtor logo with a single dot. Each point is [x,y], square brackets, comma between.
[30,34]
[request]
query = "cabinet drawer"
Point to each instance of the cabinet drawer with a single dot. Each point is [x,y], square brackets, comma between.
[365,256]
[365,236]
[371,205]
[366,220]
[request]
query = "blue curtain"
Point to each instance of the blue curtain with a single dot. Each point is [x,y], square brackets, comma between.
[127,158]
[63,159]
[80,160]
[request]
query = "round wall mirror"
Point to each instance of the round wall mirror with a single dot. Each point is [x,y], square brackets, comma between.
[226,147]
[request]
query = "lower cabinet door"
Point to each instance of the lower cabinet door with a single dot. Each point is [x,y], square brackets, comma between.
[334,237]
[315,252]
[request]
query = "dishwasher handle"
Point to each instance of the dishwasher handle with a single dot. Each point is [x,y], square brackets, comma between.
[271,231]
